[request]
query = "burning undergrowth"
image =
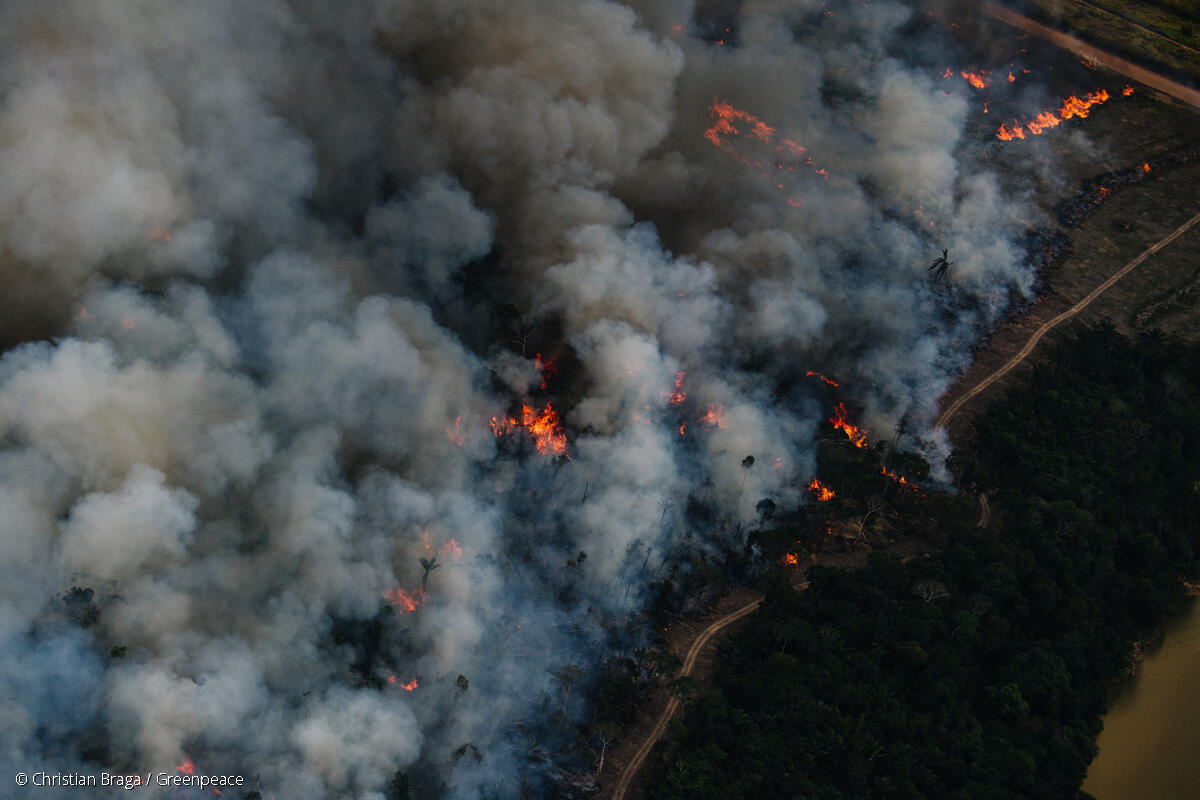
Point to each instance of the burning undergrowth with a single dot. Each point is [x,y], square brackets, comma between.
[370,366]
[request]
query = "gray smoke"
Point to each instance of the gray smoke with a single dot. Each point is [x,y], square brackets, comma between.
[271,269]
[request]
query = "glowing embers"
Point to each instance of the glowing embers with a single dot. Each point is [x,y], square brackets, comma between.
[839,420]
[1071,107]
[543,426]
[821,491]
[734,130]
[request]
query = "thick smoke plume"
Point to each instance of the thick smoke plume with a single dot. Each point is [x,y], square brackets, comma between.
[270,271]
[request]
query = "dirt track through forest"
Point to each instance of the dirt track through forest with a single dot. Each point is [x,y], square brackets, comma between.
[689,663]
[1024,352]
[631,769]
[1099,57]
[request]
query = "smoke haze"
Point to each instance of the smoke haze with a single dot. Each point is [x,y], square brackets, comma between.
[271,270]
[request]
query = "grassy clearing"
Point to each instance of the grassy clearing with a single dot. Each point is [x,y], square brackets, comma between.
[1122,29]
[1168,22]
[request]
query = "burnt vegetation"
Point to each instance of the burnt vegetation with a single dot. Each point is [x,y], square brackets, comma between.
[982,670]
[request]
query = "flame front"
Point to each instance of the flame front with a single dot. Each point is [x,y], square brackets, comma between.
[830,381]
[821,491]
[728,122]
[840,421]
[1071,107]
[451,548]
[900,479]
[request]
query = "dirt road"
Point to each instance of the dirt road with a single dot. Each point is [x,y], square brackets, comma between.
[1024,352]
[689,663]
[1093,54]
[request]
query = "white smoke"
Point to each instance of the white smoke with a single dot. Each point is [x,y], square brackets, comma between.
[271,268]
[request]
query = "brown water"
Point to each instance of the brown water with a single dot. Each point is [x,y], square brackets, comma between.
[1150,746]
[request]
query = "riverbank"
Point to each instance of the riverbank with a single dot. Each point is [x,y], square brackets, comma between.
[1152,730]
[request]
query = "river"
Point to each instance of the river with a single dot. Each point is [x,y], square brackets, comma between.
[1150,745]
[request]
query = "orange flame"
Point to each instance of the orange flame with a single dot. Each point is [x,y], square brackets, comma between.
[791,559]
[714,417]
[1071,107]
[1146,167]
[839,420]
[451,548]
[409,684]
[544,368]
[544,427]
[1128,90]
[979,79]
[1011,78]
[163,235]
[187,767]
[830,381]
[821,491]
[403,601]
[682,428]
[547,435]
[678,395]
[900,479]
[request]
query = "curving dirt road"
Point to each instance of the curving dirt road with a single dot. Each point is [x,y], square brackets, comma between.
[689,662]
[1024,352]
[985,511]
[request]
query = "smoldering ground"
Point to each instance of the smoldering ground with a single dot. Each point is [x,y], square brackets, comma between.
[273,274]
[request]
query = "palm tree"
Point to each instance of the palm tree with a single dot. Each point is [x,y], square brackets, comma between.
[941,265]
[429,565]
